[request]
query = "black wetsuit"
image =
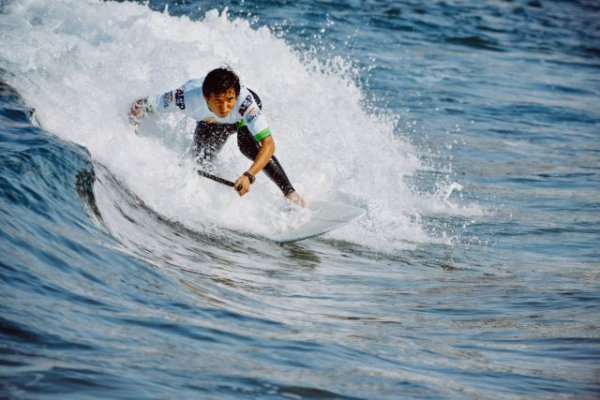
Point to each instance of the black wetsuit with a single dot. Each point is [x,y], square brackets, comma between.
[210,137]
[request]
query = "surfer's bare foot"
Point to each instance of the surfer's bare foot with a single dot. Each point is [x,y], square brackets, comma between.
[295,197]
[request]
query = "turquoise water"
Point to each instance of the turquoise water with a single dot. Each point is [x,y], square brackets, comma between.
[468,130]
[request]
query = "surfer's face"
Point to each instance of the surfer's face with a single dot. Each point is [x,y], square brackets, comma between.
[221,104]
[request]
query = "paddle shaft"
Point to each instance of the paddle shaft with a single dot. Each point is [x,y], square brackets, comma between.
[218,179]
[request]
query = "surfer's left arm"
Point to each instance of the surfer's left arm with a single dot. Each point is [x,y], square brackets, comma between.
[256,125]
[263,157]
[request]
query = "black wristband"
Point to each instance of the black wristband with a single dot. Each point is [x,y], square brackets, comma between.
[250,176]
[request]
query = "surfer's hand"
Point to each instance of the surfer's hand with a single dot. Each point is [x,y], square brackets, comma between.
[242,185]
[136,112]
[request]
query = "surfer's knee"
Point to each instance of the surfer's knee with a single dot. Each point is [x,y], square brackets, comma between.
[209,138]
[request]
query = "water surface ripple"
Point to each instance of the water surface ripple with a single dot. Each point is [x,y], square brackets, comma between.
[474,275]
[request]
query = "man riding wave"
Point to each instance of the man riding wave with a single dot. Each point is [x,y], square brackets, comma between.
[222,106]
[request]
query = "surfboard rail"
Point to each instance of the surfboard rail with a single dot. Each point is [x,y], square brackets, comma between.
[325,216]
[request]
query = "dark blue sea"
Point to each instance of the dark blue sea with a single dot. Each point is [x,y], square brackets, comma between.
[469,131]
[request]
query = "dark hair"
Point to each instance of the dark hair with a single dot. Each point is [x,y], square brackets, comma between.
[220,80]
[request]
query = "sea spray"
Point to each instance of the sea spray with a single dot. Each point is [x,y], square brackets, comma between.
[86,62]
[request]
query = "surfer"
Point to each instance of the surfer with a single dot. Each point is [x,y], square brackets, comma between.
[222,106]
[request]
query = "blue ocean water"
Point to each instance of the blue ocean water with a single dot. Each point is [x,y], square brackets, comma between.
[468,130]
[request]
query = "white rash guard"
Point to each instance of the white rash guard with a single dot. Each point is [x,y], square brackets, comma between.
[190,100]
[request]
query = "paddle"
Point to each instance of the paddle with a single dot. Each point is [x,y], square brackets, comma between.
[218,179]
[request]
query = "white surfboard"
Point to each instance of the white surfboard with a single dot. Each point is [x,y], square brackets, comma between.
[325,216]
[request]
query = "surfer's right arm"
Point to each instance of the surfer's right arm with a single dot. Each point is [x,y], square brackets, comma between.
[173,100]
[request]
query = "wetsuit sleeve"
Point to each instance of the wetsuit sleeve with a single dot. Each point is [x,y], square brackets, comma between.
[253,118]
[173,100]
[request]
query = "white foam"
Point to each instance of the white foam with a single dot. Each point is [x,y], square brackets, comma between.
[82,63]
